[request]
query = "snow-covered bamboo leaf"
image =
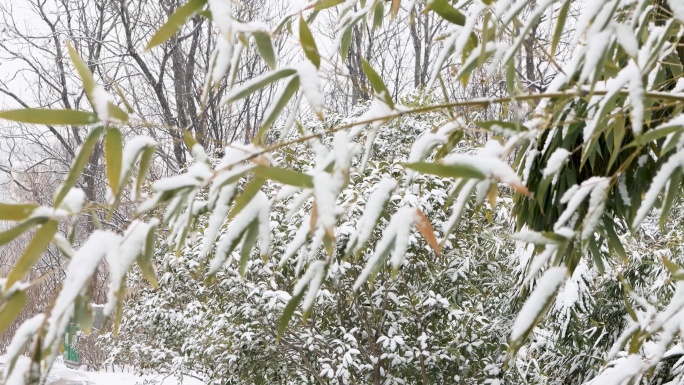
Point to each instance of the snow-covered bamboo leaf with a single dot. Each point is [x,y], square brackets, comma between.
[248,193]
[446,11]
[248,241]
[285,176]
[32,253]
[308,43]
[377,83]
[536,305]
[175,22]
[265,46]
[50,117]
[15,212]
[79,164]
[145,164]
[11,308]
[657,184]
[313,278]
[113,153]
[372,212]
[258,83]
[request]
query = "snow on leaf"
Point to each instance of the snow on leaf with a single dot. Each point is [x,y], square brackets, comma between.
[623,371]
[81,268]
[121,260]
[536,305]
[256,210]
[218,216]
[658,183]
[556,161]
[310,85]
[371,214]
[395,234]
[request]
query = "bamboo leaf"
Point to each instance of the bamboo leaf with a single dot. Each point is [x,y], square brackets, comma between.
[446,11]
[248,193]
[32,253]
[15,212]
[146,258]
[285,176]
[175,22]
[560,26]
[11,309]
[308,43]
[282,99]
[50,117]
[425,227]
[377,83]
[79,164]
[449,171]
[248,242]
[288,312]
[258,83]
[113,154]
[265,47]
[8,235]
[325,4]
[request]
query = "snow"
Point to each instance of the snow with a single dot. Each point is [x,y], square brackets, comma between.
[546,288]
[371,214]
[310,86]
[81,267]
[74,200]
[677,8]
[623,371]
[130,153]
[101,100]
[556,161]
[121,260]
[60,373]
[24,333]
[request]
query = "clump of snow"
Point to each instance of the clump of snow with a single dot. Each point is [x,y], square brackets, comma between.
[546,288]
[74,200]
[556,161]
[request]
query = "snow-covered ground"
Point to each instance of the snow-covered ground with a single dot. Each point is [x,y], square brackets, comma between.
[62,375]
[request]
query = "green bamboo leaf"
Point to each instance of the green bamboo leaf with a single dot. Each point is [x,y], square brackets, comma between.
[145,163]
[673,189]
[288,312]
[50,117]
[281,101]
[653,135]
[90,86]
[446,11]
[676,271]
[308,43]
[449,171]
[345,43]
[32,253]
[249,240]
[79,164]
[83,72]
[145,259]
[285,176]
[15,212]
[248,193]
[258,83]
[498,126]
[265,47]
[175,22]
[378,15]
[8,235]
[560,26]
[377,83]
[113,153]
[325,4]
[11,309]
